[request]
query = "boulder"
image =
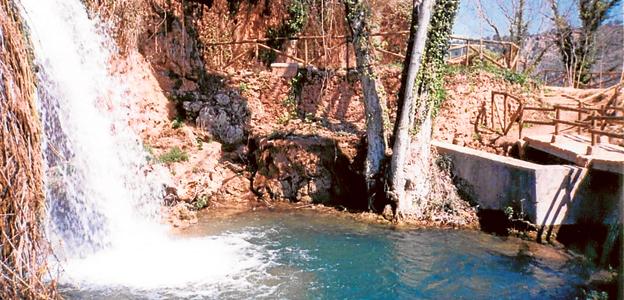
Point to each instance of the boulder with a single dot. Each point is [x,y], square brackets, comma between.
[192,107]
[226,118]
[306,169]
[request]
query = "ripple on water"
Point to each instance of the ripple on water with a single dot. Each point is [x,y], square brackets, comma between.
[303,255]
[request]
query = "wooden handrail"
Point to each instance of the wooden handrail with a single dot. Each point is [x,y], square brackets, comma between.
[588,109]
[589,124]
[539,108]
[611,118]
[262,42]
[574,109]
[281,53]
[334,37]
[607,133]
[572,123]
[539,122]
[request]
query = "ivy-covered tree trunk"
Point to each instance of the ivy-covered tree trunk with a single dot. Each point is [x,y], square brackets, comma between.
[411,157]
[358,14]
[402,140]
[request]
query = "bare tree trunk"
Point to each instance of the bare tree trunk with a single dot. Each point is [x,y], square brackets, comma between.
[406,62]
[405,120]
[518,26]
[358,13]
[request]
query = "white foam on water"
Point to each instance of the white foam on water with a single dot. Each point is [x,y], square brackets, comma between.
[159,263]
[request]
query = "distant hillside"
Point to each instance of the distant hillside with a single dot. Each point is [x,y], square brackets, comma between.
[609,51]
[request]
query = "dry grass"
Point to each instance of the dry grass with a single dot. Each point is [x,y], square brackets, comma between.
[23,249]
[444,206]
[128,19]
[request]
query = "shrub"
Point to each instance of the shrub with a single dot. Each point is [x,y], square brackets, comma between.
[177,123]
[201,202]
[175,154]
[243,87]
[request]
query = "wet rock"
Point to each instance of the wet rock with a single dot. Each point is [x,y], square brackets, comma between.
[387,213]
[302,169]
[181,215]
[238,186]
[171,196]
[602,278]
[320,187]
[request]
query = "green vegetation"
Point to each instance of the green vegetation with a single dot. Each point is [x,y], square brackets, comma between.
[177,123]
[201,202]
[431,75]
[243,87]
[515,77]
[596,295]
[200,144]
[510,76]
[150,152]
[175,154]
[290,102]
[293,25]
[509,212]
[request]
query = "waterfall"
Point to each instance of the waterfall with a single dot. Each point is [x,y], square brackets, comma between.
[102,199]
[95,165]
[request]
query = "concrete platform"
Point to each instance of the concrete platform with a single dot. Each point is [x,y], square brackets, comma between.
[574,148]
[546,194]
[286,70]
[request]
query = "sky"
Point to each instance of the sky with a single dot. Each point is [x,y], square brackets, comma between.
[469,23]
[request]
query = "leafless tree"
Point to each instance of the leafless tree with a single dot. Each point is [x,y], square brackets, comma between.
[577,46]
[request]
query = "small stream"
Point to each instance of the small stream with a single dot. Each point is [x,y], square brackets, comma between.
[304,255]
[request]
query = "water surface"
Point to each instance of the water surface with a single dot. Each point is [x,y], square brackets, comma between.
[303,255]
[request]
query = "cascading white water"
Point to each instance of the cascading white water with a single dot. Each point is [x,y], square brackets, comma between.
[94,162]
[102,201]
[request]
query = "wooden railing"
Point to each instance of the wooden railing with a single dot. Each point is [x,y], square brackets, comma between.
[562,78]
[464,50]
[505,123]
[317,48]
[592,120]
[307,56]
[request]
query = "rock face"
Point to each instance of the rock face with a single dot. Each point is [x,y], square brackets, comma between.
[304,168]
[199,95]
[225,116]
[181,215]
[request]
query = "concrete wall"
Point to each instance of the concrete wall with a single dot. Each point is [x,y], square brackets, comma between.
[546,194]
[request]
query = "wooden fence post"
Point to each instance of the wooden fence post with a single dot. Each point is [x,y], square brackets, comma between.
[592,128]
[557,118]
[510,56]
[305,52]
[521,121]
[579,117]
[347,50]
[553,139]
[492,111]
[257,48]
[603,112]
[505,111]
